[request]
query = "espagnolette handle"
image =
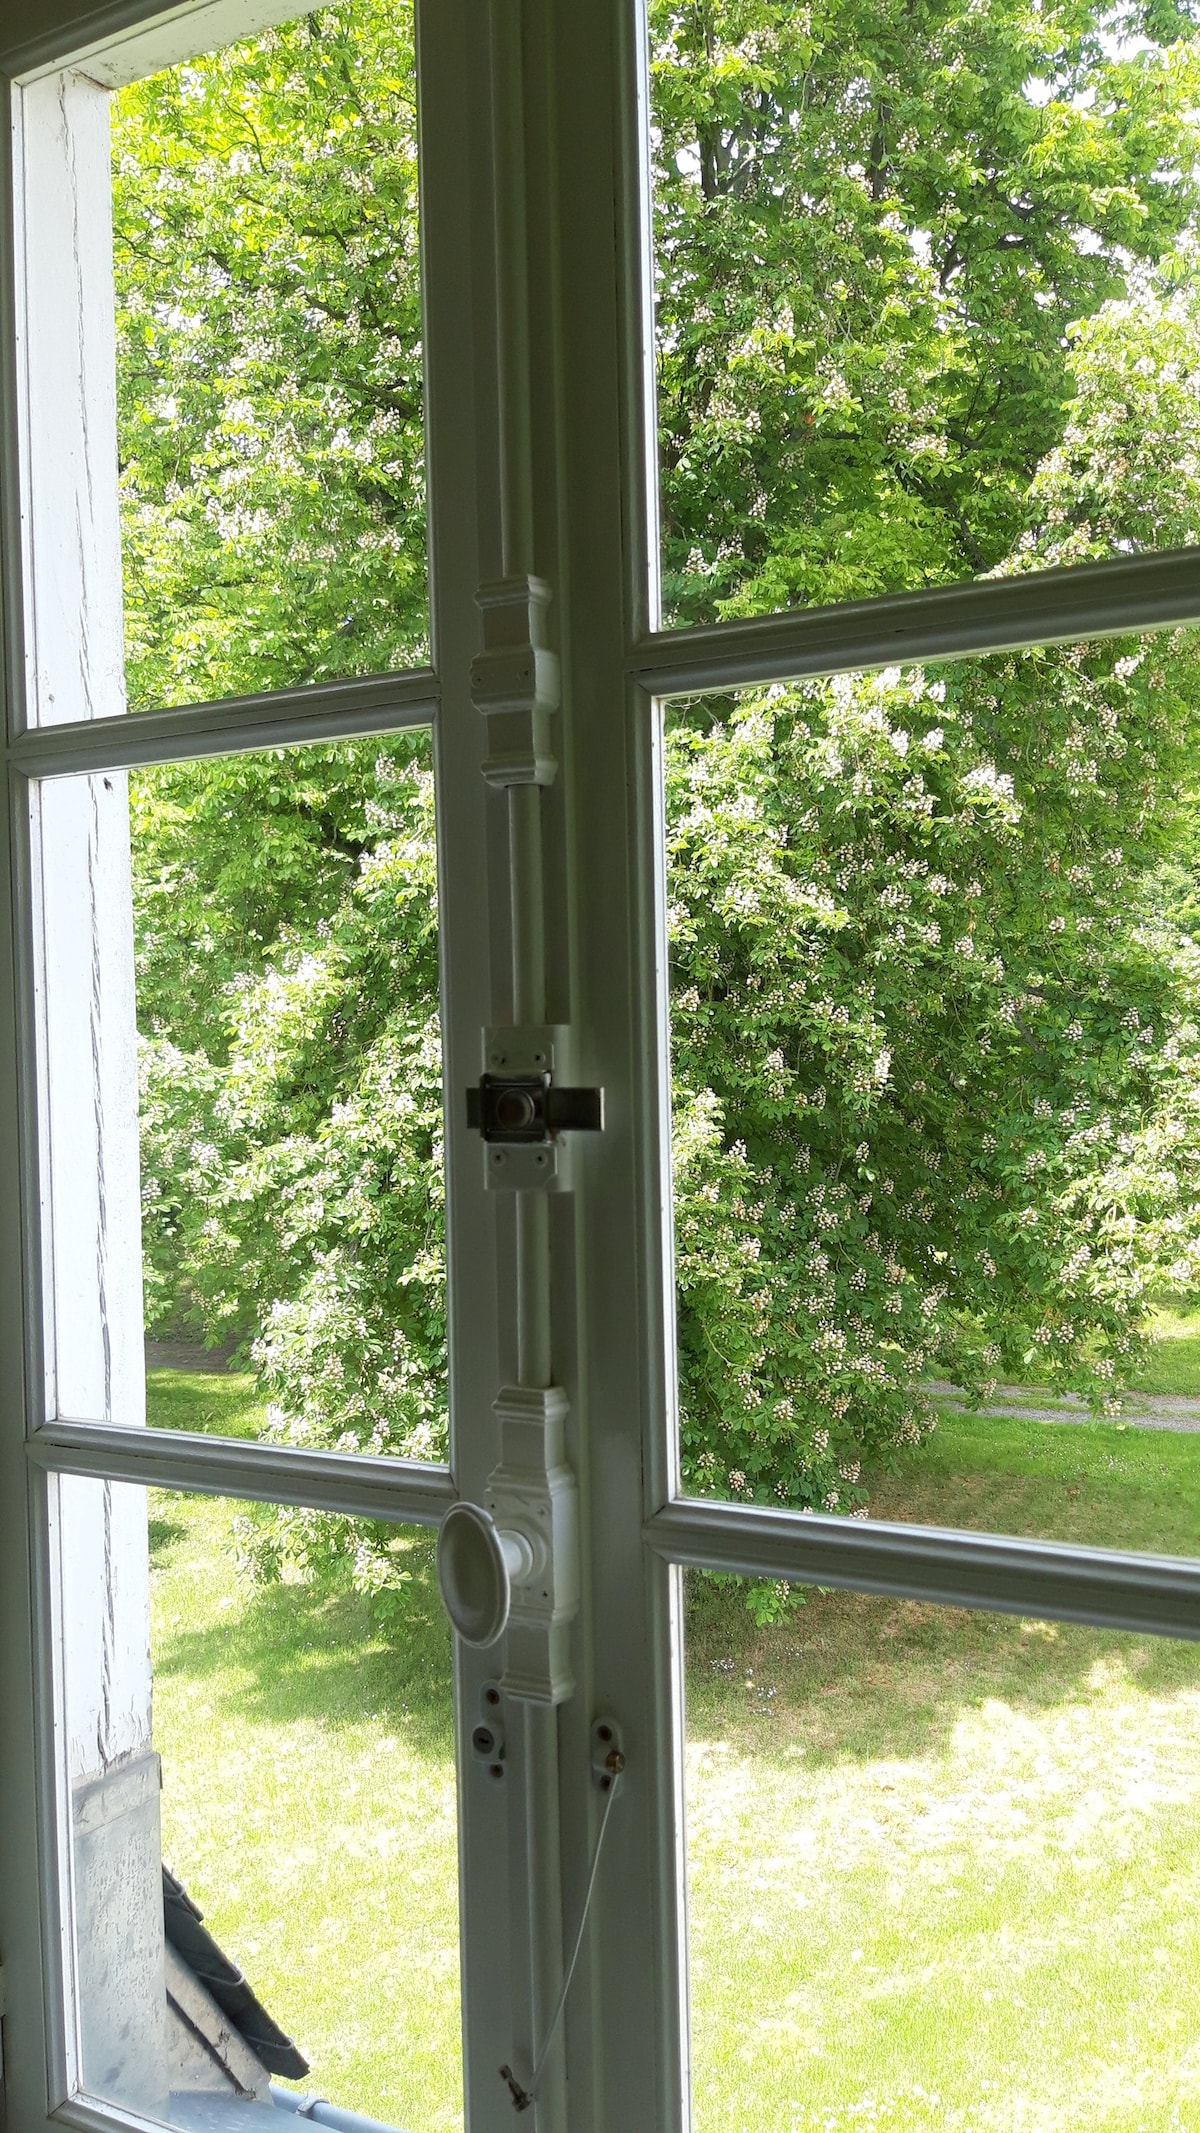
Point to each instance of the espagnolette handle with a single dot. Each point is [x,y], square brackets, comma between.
[478,1563]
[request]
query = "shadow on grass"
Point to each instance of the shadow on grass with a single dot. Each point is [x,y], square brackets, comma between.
[214,1403]
[292,1651]
[847,1677]
[850,1677]
[163,1533]
[296,1652]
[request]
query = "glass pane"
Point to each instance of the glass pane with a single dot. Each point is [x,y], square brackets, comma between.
[224,425]
[261,1798]
[253,939]
[926,294]
[936,1055]
[269,375]
[942,1869]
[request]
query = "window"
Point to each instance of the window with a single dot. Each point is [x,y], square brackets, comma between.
[556,709]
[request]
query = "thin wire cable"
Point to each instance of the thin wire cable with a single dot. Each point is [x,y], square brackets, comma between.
[556,2017]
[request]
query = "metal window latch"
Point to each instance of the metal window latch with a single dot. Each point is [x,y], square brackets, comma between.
[524,1104]
[519,1109]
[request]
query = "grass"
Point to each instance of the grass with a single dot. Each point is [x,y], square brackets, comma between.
[1174,1364]
[1101,1483]
[944,1873]
[944,1867]
[217,1403]
[308,1804]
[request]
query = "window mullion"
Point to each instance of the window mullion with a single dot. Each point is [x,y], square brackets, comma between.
[463,465]
[636,2041]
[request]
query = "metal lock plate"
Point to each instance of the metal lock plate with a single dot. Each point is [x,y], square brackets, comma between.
[523,1109]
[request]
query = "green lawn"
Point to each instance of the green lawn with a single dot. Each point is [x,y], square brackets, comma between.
[1174,1364]
[944,1873]
[944,1868]
[308,1795]
[217,1403]
[1103,1483]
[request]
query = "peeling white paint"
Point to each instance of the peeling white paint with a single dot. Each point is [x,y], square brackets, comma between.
[67,376]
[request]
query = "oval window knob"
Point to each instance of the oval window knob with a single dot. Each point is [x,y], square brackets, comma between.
[478,1564]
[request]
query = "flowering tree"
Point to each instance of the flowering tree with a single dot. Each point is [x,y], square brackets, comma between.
[925,1053]
[269,374]
[878,222]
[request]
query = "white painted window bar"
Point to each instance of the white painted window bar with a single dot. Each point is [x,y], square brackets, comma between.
[402,1491]
[278,718]
[1037,1579]
[970,620]
[984,615]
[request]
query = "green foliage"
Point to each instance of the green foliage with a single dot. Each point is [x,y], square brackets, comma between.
[927,305]
[875,226]
[269,361]
[291,1084]
[1126,473]
[936,1088]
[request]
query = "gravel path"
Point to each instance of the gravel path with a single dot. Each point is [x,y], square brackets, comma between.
[1142,1410]
[1145,1410]
[185,1355]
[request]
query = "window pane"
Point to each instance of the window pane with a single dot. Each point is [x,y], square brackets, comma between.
[936,1083]
[282,966]
[266,442]
[269,361]
[260,1768]
[926,295]
[941,1869]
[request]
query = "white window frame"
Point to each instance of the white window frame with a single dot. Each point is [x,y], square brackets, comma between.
[540,459]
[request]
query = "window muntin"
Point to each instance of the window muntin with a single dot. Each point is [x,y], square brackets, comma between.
[283,1744]
[933,1021]
[923,299]
[240,956]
